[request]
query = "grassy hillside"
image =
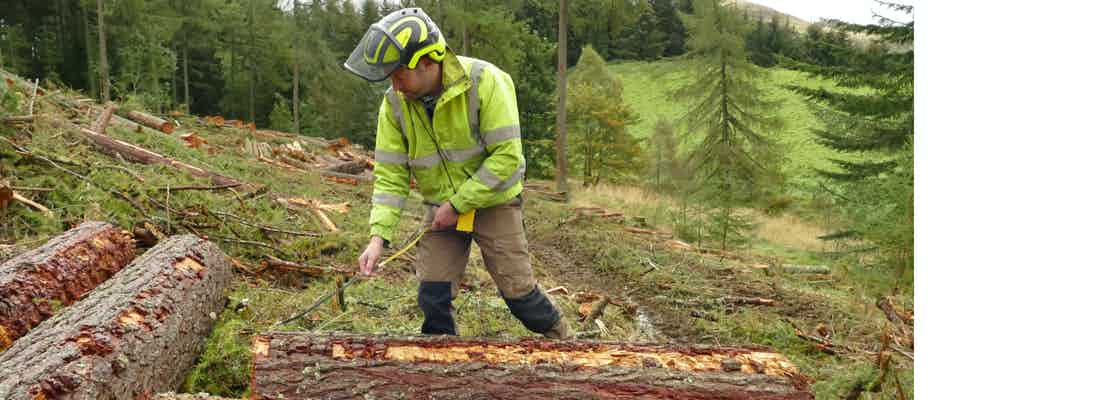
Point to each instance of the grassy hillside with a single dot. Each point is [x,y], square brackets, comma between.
[648,87]
[664,293]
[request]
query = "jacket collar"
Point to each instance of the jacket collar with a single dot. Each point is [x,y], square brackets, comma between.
[455,79]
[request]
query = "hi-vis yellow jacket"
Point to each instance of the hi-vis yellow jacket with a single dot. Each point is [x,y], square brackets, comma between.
[479,160]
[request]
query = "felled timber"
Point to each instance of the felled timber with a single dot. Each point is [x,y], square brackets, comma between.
[151,121]
[347,179]
[35,283]
[294,365]
[111,146]
[135,335]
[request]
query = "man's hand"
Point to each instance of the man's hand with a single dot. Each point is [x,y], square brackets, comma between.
[368,261]
[445,217]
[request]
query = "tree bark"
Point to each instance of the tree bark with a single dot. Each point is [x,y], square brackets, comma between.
[151,121]
[57,274]
[344,366]
[104,69]
[560,142]
[134,336]
[111,147]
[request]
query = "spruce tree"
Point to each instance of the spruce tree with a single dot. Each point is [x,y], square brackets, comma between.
[737,160]
[870,119]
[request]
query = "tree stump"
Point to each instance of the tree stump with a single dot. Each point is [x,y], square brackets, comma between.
[294,365]
[34,284]
[134,336]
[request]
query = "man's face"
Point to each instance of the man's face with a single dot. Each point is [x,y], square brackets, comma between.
[413,83]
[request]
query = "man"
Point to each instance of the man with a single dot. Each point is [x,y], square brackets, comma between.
[455,129]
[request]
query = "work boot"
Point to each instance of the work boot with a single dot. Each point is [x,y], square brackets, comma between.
[559,331]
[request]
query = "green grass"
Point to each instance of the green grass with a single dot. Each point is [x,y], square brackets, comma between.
[648,89]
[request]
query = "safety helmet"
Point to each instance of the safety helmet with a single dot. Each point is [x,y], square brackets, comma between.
[400,38]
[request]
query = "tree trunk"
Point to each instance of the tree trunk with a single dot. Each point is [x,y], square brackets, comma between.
[563,167]
[151,121]
[186,78]
[89,58]
[134,336]
[252,62]
[111,147]
[57,274]
[104,69]
[344,366]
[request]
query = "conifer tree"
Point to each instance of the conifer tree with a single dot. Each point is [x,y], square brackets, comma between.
[738,160]
[874,126]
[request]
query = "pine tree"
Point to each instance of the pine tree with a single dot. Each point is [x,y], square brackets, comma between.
[874,126]
[738,160]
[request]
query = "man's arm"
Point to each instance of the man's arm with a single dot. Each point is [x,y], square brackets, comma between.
[500,127]
[391,171]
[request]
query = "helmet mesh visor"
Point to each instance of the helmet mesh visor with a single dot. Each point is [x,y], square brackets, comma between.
[376,56]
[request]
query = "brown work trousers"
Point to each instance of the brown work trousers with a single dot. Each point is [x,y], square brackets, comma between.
[442,255]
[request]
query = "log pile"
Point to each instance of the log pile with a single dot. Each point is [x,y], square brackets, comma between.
[134,336]
[294,365]
[57,274]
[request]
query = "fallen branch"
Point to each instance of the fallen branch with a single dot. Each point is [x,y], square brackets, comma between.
[219,187]
[23,119]
[32,204]
[758,301]
[272,262]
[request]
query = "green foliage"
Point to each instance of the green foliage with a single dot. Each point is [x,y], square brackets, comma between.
[668,171]
[876,189]
[225,365]
[738,158]
[281,118]
[598,121]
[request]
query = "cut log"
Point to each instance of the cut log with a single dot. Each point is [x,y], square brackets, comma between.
[110,146]
[34,283]
[353,167]
[347,178]
[22,119]
[151,121]
[100,125]
[134,336]
[806,269]
[290,365]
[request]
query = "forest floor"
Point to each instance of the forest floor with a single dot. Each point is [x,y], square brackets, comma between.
[664,290]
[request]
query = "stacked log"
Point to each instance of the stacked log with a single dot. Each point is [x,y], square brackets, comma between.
[34,283]
[134,336]
[292,365]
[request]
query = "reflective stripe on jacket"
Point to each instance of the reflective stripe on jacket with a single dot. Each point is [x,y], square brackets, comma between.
[479,162]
